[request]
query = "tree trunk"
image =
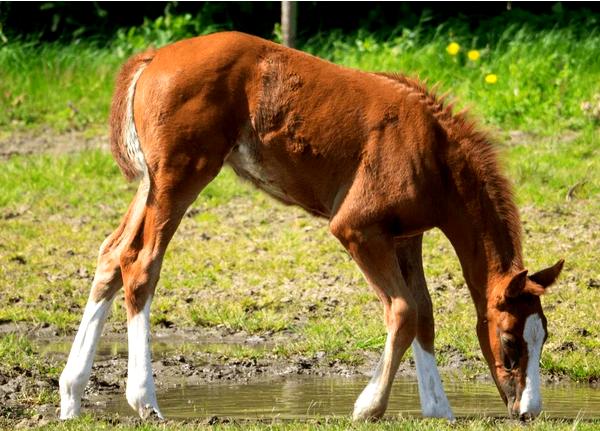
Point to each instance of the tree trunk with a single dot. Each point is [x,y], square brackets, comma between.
[289,13]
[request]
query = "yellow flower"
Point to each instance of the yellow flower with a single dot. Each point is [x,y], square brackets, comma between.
[453,48]
[491,78]
[474,55]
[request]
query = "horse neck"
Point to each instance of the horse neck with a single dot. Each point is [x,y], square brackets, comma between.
[482,221]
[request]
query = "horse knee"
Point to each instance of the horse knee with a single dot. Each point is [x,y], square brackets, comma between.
[402,317]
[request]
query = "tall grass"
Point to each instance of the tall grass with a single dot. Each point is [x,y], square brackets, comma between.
[543,76]
[55,86]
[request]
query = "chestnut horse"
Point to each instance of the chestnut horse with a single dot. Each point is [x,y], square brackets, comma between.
[378,155]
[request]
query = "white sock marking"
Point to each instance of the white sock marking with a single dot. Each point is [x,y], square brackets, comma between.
[141,394]
[372,400]
[533,334]
[79,365]
[434,403]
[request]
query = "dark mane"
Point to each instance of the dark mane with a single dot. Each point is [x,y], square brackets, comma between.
[478,149]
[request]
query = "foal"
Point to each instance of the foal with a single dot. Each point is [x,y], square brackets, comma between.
[376,154]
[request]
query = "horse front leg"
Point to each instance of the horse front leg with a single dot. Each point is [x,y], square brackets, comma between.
[434,403]
[373,250]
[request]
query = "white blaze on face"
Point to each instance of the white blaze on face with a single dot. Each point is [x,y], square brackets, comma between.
[533,334]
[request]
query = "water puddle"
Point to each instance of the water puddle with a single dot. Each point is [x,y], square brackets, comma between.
[301,397]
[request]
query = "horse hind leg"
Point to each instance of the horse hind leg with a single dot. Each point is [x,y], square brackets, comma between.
[434,402]
[107,281]
[171,194]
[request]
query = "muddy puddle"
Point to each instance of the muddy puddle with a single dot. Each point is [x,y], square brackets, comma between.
[303,397]
[272,394]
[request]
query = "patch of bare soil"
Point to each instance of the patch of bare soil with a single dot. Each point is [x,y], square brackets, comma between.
[49,142]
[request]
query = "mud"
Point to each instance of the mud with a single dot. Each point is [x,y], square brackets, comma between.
[181,358]
[50,142]
[194,384]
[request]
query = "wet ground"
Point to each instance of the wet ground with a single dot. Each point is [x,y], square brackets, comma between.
[190,387]
[302,397]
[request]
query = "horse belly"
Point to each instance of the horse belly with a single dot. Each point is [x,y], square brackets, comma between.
[247,164]
[274,174]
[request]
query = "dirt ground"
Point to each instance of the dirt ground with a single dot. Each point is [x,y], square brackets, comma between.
[24,143]
[171,367]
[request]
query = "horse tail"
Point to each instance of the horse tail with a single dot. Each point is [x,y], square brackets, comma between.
[124,140]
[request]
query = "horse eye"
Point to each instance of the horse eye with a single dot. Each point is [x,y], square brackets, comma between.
[506,363]
[510,354]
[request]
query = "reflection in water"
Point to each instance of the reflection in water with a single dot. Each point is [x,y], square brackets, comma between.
[301,397]
[298,397]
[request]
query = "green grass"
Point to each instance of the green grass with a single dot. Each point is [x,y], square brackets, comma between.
[331,424]
[545,173]
[21,363]
[18,355]
[62,87]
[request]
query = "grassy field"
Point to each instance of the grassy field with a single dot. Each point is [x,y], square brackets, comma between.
[242,262]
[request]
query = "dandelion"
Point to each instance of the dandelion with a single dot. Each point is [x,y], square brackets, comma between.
[491,78]
[453,48]
[474,55]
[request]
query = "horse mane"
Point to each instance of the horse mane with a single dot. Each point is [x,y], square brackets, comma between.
[480,152]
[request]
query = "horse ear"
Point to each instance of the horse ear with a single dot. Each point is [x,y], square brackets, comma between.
[547,276]
[516,284]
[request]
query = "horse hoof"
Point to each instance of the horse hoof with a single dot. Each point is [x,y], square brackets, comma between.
[367,414]
[151,413]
